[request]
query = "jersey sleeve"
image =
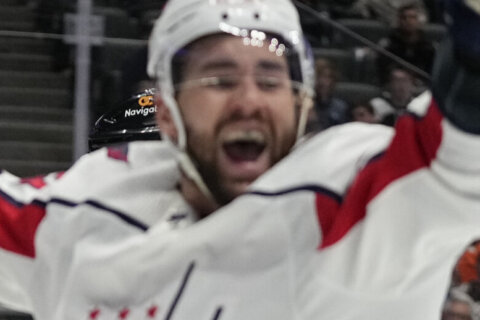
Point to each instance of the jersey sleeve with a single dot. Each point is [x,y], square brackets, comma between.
[22,209]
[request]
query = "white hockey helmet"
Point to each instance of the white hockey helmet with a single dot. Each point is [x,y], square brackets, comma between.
[184,21]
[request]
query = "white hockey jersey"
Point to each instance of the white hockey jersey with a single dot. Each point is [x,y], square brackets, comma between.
[354,224]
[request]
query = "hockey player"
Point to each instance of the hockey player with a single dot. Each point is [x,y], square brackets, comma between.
[236,84]
[352,225]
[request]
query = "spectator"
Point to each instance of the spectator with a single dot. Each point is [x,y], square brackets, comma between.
[398,92]
[363,112]
[329,109]
[407,41]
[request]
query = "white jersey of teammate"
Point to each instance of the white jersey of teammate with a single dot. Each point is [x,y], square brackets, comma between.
[354,224]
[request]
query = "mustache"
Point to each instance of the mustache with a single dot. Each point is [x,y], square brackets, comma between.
[239,115]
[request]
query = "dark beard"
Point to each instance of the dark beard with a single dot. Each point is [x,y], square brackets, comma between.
[209,172]
[208,168]
[211,177]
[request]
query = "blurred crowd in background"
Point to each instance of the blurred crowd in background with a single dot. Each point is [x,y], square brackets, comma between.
[355,82]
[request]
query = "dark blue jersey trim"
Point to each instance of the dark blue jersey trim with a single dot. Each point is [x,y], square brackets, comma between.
[122,216]
[218,313]
[19,204]
[415,116]
[180,291]
[375,158]
[312,188]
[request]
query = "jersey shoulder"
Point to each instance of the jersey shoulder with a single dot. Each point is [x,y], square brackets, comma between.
[330,159]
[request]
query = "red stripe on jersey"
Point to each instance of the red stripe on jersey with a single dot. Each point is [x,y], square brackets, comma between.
[327,211]
[118,152]
[18,226]
[414,147]
[352,210]
[36,182]
[39,182]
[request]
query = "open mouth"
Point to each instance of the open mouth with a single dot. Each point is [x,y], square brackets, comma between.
[242,146]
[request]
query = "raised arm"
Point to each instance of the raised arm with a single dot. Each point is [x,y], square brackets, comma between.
[456,73]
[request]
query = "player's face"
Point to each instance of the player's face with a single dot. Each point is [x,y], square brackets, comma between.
[238,107]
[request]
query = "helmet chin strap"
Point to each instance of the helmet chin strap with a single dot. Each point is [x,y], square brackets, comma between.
[184,159]
[306,105]
[191,171]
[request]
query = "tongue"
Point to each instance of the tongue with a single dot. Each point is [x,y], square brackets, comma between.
[243,151]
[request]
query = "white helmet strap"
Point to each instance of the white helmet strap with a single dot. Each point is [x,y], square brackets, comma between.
[306,104]
[191,171]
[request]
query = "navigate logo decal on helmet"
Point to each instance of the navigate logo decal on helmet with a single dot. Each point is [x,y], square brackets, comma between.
[133,119]
[147,107]
[143,112]
[146,100]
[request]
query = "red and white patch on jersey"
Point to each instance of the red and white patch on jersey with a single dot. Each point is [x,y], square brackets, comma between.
[18,226]
[118,152]
[414,147]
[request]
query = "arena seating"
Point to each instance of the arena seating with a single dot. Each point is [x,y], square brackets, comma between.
[35,98]
[435,31]
[370,29]
[343,59]
[355,92]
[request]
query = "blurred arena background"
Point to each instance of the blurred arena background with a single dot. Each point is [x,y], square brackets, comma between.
[63,64]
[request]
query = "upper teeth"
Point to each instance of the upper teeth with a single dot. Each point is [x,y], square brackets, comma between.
[246,136]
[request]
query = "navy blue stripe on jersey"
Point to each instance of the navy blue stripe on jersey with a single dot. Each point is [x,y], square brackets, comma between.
[122,216]
[10,200]
[20,204]
[218,313]
[375,157]
[180,291]
[313,188]
[327,204]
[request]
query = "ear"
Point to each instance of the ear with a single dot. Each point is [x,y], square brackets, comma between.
[164,119]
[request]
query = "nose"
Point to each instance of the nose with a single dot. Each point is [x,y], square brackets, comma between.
[248,99]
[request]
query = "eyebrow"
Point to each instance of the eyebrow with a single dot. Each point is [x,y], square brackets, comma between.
[218,65]
[227,64]
[268,65]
